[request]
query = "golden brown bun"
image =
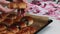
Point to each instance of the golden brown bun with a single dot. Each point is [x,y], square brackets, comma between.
[23,31]
[12,5]
[13,29]
[28,20]
[1,19]
[17,19]
[3,16]
[22,5]
[22,25]
[32,30]
[2,27]
[12,16]
[8,22]
[3,32]
[9,32]
[27,30]
[17,5]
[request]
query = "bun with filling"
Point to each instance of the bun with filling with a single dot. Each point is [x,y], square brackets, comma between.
[27,20]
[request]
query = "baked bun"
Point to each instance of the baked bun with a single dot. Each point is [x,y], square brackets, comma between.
[23,31]
[13,29]
[3,16]
[32,30]
[18,18]
[12,16]
[27,30]
[17,5]
[12,5]
[9,32]
[22,25]
[1,19]
[8,21]
[22,5]
[2,27]
[3,32]
[27,20]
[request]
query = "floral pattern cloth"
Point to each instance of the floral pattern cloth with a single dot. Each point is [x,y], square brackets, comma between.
[45,8]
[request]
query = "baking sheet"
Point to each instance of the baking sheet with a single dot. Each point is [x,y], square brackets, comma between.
[40,22]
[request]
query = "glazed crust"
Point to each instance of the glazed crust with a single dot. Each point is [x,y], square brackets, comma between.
[2,27]
[8,22]
[27,20]
[27,30]
[22,24]
[3,16]
[13,29]
[20,5]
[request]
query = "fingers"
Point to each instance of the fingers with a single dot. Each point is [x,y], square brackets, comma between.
[6,10]
[4,2]
[25,1]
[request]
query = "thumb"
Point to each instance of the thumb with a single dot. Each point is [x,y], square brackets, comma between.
[4,2]
[8,10]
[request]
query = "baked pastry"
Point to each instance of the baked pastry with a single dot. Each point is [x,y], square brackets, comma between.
[1,19]
[32,30]
[22,25]
[3,16]
[2,27]
[12,5]
[17,5]
[3,32]
[13,29]
[9,32]
[8,21]
[27,20]
[12,16]
[18,18]
[27,30]
[22,5]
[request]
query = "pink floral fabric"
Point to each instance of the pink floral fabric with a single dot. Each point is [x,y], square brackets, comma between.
[46,8]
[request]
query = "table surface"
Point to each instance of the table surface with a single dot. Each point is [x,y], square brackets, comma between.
[53,28]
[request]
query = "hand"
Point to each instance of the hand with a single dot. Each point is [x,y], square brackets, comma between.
[20,0]
[6,10]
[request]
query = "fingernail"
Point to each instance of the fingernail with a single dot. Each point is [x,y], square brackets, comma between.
[7,1]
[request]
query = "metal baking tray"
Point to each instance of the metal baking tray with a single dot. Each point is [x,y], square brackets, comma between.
[40,22]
